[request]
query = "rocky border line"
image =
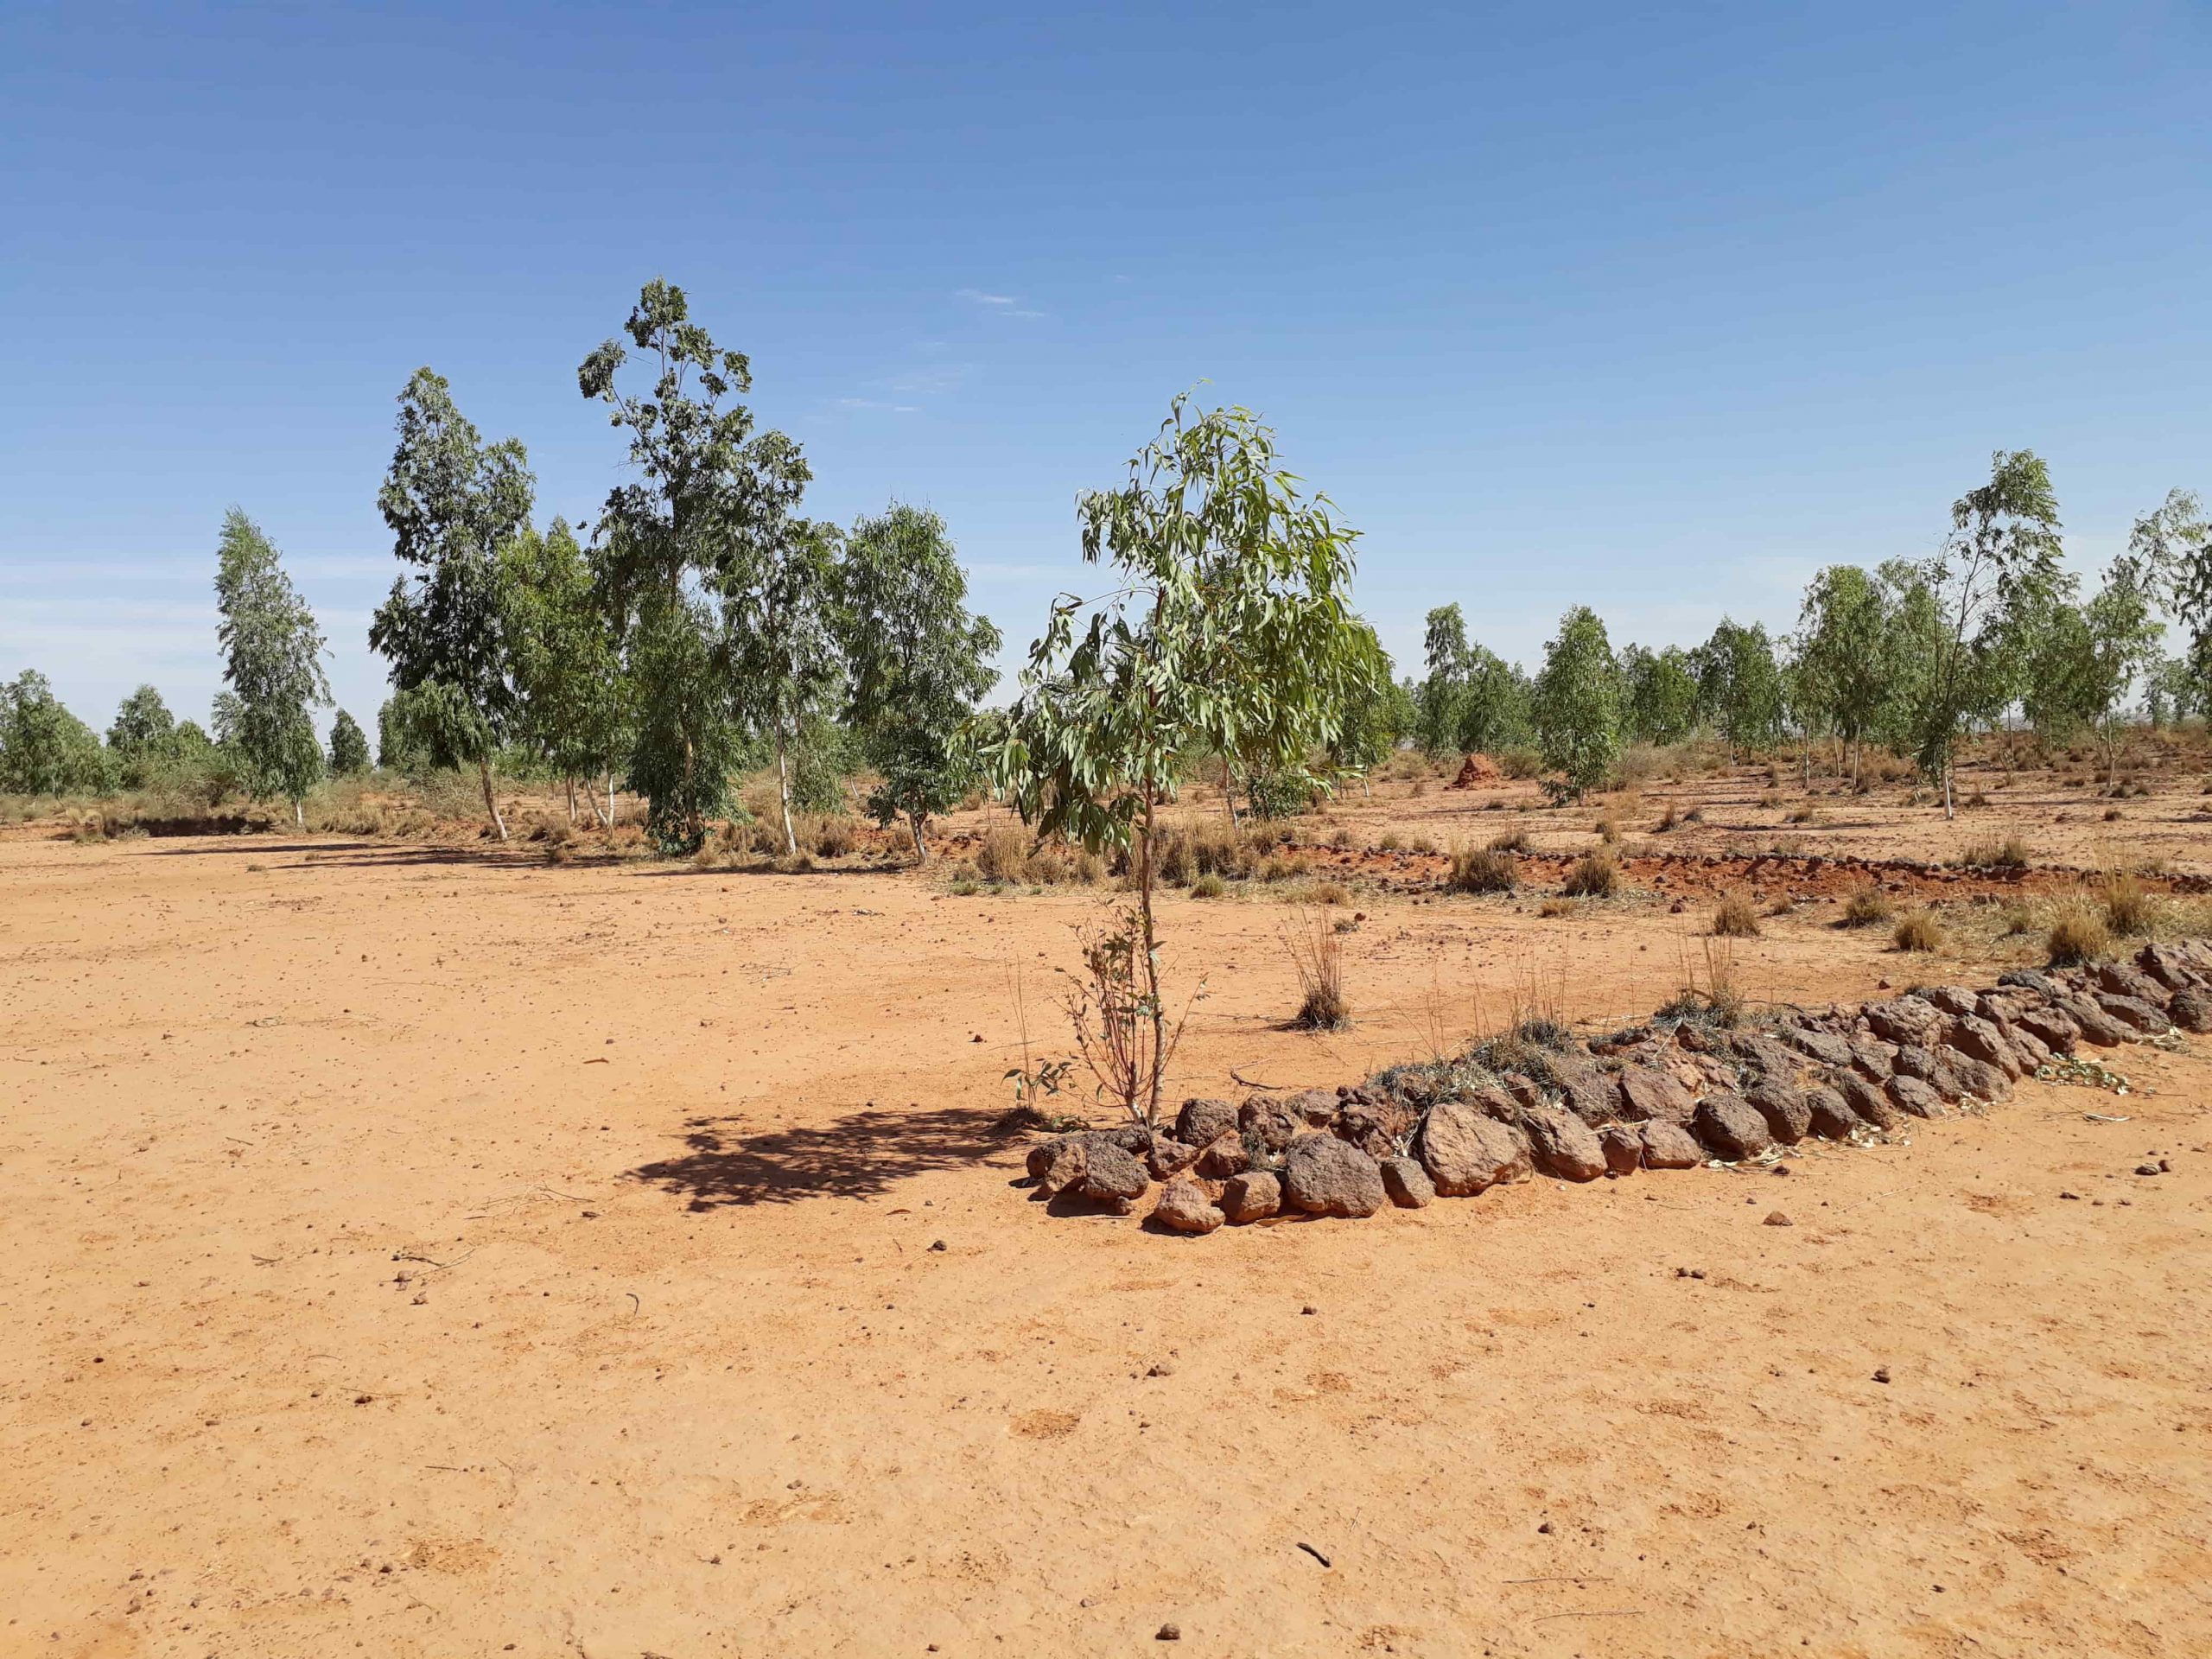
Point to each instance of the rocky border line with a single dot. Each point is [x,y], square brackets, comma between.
[1673,1094]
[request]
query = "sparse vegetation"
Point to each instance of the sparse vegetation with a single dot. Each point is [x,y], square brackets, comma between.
[1484,870]
[1921,932]
[1735,917]
[1596,874]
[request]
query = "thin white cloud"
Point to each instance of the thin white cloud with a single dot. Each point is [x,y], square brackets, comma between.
[981,298]
[866,404]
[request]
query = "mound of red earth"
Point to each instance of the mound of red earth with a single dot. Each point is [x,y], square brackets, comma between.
[1672,1094]
[1476,770]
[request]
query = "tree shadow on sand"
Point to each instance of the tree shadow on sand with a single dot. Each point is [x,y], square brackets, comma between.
[857,1156]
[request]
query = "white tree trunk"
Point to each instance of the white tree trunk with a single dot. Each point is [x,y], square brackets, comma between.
[491,805]
[784,792]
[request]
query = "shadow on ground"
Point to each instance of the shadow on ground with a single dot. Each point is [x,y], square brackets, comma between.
[858,1156]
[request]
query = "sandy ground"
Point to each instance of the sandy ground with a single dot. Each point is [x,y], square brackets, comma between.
[420,1253]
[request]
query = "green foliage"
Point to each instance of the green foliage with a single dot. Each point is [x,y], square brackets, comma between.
[2172,546]
[1473,699]
[452,503]
[45,749]
[400,747]
[1228,630]
[917,663]
[1845,652]
[1444,649]
[1375,714]
[1739,688]
[699,540]
[1658,694]
[272,666]
[1577,706]
[349,746]
[573,693]
[782,652]
[1999,561]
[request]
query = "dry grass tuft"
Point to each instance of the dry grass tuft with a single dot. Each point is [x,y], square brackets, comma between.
[1484,871]
[1736,918]
[2077,935]
[1920,932]
[1003,854]
[2130,909]
[1868,907]
[1317,952]
[1596,874]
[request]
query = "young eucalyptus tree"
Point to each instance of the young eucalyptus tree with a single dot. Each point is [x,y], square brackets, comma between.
[1578,706]
[142,737]
[2172,546]
[708,505]
[349,746]
[1844,657]
[1229,630]
[784,667]
[2003,549]
[568,677]
[272,666]
[1739,685]
[916,662]
[452,503]
[1373,716]
[1444,651]
[1658,694]
[45,749]
[2123,637]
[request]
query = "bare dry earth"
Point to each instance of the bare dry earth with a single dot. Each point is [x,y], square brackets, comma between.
[422,1253]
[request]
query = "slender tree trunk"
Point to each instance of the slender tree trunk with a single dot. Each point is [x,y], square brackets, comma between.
[1151,966]
[300,813]
[610,798]
[1949,812]
[571,785]
[784,791]
[921,847]
[491,805]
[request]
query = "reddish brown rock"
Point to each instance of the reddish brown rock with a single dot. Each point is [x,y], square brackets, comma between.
[1201,1122]
[1253,1196]
[1466,1151]
[1186,1207]
[1406,1183]
[1831,1118]
[1112,1178]
[1917,1098]
[1224,1158]
[1867,1102]
[1669,1145]
[2191,1009]
[1789,1119]
[1324,1176]
[1730,1127]
[2122,979]
[1563,1145]
[1977,1038]
[2134,1013]
[1649,1094]
[1622,1144]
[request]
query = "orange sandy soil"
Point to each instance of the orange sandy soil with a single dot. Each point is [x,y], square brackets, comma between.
[423,1252]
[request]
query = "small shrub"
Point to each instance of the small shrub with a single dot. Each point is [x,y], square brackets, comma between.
[2009,853]
[1330,893]
[1977,799]
[2114,815]
[1596,874]
[1666,821]
[1342,840]
[1045,868]
[1172,862]
[2130,908]
[1608,831]
[1090,869]
[1208,887]
[1805,814]
[1003,854]
[1513,841]
[1695,815]
[1520,764]
[1390,841]
[1422,844]
[1553,908]
[833,838]
[1486,871]
[2077,935]
[1317,952]
[1735,918]
[1770,801]
[1920,932]
[794,864]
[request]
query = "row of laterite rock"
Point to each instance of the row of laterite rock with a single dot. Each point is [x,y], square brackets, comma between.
[1670,1094]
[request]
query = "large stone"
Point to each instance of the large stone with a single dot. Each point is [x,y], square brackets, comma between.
[1563,1144]
[1269,1122]
[2122,979]
[2057,1029]
[1669,1145]
[1980,1079]
[1253,1196]
[1787,1118]
[1407,1183]
[1360,1125]
[2096,1027]
[1917,1098]
[1905,1019]
[1867,1100]
[2031,1049]
[2029,979]
[1649,1094]
[1466,1151]
[1976,1038]
[1058,1163]
[1594,1096]
[2191,1009]
[1201,1122]
[1823,1046]
[1831,1119]
[1622,1144]
[2134,1013]
[1314,1107]
[1112,1178]
[1873,1059]
[1914,1061]
[1954,1000]
[1168,1157]
[1776,1061]
[1224,1158]
[2170,967]
[1325,1176]
[1185,1206]
[1732,1127]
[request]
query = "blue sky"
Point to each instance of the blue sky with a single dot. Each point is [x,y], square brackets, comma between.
[1655,307]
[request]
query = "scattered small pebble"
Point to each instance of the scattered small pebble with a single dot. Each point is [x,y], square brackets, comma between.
[1776,1218]
[1168,1633]
[938,1245]
[1881,1373]
[2147,1169]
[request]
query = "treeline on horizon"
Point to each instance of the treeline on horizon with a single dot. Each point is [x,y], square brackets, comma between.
[705,629]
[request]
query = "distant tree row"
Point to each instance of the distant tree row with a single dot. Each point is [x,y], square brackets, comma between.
[1915,654]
